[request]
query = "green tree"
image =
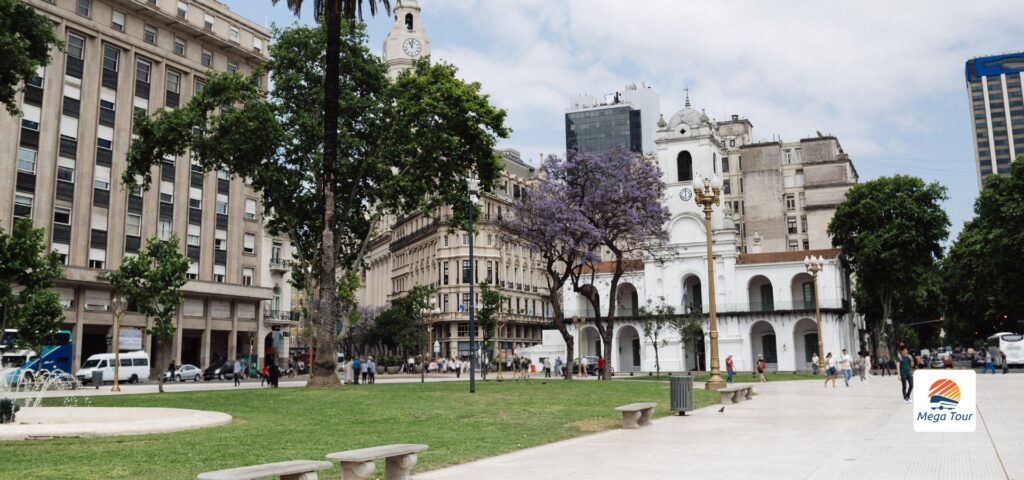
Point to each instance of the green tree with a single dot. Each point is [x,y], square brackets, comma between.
[389,165]
[27,274]
[890,230]
[690,329]
[397,328]
[153,279]
[26,39]
[653,320]
[981,280]
[487,316]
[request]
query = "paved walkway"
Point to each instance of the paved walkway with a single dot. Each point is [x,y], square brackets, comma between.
[791,430]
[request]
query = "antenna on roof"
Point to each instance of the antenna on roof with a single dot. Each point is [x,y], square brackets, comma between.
[687,90]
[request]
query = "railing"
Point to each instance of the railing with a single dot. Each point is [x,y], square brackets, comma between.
[754,307]
[278,264]
[505,317]
[286,315]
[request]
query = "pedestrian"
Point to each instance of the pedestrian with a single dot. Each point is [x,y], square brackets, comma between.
[815,359]
[357,365]
[558,366]
[846,364]
[265,375]
[410,365]
[458,368]
[729,371]
[761,366]
[906,369]
[275,374]
[1006,366]
[524,366]
[830,369]
[348,371]
[172,370]
[988,363]
[237,371]
[584,363]
[363,369]
[371,370]
[884,365]
[547,368]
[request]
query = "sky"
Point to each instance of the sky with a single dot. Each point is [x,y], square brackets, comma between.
[886,78]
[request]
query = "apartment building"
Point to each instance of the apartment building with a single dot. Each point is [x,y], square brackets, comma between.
[997,111]
[62,161]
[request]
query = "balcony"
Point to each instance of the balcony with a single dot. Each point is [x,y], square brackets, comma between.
[282,317]
[278,265]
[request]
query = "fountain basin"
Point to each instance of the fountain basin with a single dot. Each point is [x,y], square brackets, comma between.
[51,422]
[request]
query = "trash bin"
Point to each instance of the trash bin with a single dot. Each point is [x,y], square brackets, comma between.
[97,378]
[681,391]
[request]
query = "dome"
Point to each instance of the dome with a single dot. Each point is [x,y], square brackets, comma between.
[688,116]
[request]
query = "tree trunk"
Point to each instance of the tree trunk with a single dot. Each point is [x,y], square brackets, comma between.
[657,359]
[324,370]
[155,359]
[570,346]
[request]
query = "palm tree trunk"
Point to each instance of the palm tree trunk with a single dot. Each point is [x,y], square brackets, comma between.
[326,363]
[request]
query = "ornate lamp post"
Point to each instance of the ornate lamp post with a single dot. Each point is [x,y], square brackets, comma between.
[120,304]
[813,265]
[474,186]
[429,321]
[706,192]
[577,321]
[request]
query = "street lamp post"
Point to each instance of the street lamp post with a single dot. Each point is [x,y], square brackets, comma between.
[706,192]
[577,321]
[813,265]
[120,304]
[429,322]
[473,186]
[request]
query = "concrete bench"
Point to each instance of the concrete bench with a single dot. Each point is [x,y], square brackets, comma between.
[291,470]
[358,464]
[636,415]
[736,393]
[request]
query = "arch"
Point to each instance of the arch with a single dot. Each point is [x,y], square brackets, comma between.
[802,290]
[687,227]
[408,21]
[693,294]
[590,342]
[629,348]
[684,166]
[764,342]
[627,301]
[589,292]
[805,343]
[760,294]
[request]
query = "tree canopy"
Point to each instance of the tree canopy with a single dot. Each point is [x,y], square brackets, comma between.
[26,38]
[27,275]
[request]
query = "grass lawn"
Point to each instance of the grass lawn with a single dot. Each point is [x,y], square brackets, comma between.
[272,425]
[738,377]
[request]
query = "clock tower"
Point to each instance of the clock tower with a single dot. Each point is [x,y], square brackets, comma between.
[407,41]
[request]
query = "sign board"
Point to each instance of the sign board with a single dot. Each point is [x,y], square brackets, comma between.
[130,339]
[945,401]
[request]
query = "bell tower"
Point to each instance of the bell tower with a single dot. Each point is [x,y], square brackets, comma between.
[407,41]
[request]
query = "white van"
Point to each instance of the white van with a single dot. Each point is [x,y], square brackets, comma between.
[134,367]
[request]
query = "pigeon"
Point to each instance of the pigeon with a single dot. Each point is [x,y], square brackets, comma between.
[720,410]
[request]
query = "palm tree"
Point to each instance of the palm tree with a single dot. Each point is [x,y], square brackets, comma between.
[333,12]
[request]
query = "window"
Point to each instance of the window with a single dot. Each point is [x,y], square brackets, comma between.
[66,170]
[111,58]
[26,160]
[725,164]
[62,251]
[37,81]
[684,166]
[192,237]
[232,67]
[97,257]
[104,136]
[195,197]
[179,46]
[218,273]
[445,268]
[444,304]
[466,272]
[220,239]
[222,204]
[726,187]
[83,7]
[173,81]
[182,9]
[101,178]
[791,224]
[149,34]
[30,117]
[117,21]
[249,244]
[803,224]
[257,45]
[62,215]
[166,191]
[164,232]
[247,274]
[275,252]
[22,205]
[208,21]
[790,202]
[76,46]
[133,225]
[206,58]
[233,34]
[250,209]
[193,271]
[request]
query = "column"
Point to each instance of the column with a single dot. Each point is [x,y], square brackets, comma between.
[79,326]
[176,343]
[233,339]
[204,355]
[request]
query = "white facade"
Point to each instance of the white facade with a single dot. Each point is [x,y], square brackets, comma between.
[765,301]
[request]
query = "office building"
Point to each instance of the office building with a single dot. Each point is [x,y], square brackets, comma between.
[62,161]
[997,111]
[623,119]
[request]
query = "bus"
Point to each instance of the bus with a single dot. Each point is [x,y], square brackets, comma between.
[1011,344]
[16,364]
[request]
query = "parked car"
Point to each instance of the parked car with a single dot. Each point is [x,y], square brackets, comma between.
[221,370]
[185,372]
[591,364]
[937,361]
[134,367]
[947,360]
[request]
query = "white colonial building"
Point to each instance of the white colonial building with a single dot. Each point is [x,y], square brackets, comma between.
[765,301]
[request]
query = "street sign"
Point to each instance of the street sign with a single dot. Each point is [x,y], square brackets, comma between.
[110,340]
[131,339]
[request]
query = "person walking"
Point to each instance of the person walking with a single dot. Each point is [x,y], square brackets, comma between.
[906,369]
[846,364]
[547,368]
[458,368]
[363,369]
[830,369]
[814,364]
[275,374]
[600,368]
[988,363]
[357,365]
[729,371]
[265,375]
[371,370]
[558,366]
[237,372]
[1006,366]
[761,366]
[884,365]
[172,370]
[585,364]
[865,363]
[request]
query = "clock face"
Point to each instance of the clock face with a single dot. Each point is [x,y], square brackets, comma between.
[411,47]
[686,194]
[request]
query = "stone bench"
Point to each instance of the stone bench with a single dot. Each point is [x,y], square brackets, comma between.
[736,393]
[291,470]
[358,464]
[636,415]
